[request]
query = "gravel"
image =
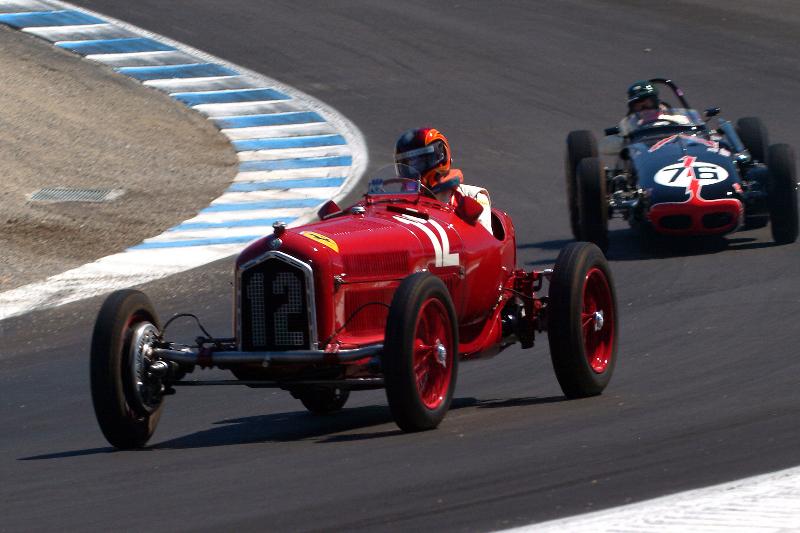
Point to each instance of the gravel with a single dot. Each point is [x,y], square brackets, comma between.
[68,122]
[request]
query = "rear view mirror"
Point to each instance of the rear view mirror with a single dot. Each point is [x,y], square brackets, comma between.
[328,209]
[612,131]
[712,112]
[469,209]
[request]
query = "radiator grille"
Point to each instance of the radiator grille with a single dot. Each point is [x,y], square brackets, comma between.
[274,308]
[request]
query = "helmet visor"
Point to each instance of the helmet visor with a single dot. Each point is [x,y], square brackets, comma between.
[421,159]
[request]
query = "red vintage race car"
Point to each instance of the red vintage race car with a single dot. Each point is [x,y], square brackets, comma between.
[391,293]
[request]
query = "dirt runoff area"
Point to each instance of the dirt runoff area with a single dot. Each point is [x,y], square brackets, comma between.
[68,122]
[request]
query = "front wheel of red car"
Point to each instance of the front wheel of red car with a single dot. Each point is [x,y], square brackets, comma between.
[582,320]
[420,355]
[127,401]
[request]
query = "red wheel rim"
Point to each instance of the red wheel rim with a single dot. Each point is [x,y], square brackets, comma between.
[597,320]
[433,353]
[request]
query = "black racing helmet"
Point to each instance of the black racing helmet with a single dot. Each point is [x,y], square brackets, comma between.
[642,95]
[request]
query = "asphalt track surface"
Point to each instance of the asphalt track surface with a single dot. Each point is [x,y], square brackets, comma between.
[706,389]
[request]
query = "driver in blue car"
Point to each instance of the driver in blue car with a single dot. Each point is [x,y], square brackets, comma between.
[427,151]
[643,102]
[645,105]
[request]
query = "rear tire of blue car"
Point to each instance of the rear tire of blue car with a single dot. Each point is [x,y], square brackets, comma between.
[420,354]
[782,193]
[592,202]
[124,420]
[580,144]
[582,325]
[753,135]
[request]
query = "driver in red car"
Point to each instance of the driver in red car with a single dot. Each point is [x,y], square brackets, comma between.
[427,151]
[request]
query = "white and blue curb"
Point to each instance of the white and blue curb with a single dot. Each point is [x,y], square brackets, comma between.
[295,152]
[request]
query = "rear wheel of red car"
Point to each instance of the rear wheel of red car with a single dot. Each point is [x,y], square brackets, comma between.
[782,193]
[582,320]
[420,356]
[580,144]
[127,402]
[322,400]
[754,136]
[592,202]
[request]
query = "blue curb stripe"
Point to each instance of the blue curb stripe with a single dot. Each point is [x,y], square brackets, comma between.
[195,242]
[115,46]
[274,119]
[266,204]
[229,97]
[285,184]
[232,223]
[49,18]
[165,72]
[302,162]
[277,143]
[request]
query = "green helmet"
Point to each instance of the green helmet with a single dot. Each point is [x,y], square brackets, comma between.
[641,90]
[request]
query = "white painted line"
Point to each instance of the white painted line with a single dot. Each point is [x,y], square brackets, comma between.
[212,83]
[201,240]
[250,214]
[143,59]
[244,108]
[83,32]
[268,175]
[287,130]
[764,503]
[292,153]
[211,233]
[22,6]
[110,273]
[261,196]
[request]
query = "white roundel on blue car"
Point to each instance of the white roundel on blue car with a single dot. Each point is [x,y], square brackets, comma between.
[682,173]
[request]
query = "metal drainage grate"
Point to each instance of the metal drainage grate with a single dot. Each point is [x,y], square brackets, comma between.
[63,194]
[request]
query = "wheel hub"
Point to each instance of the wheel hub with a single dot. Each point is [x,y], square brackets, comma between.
[598,320]
[147,391]
[441,353]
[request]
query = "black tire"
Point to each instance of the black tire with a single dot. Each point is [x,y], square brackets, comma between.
[124,421]
[322,400]
[420,292]
[580,144]
[578,279]
[754,136]
[592,202]
[782,197]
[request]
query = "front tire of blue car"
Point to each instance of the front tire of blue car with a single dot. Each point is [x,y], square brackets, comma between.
[782,193]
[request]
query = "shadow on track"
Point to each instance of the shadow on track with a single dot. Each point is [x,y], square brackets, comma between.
[299,425]
[629,244]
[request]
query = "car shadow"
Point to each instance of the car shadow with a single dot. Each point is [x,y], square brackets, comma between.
[299,426]
[629,244]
